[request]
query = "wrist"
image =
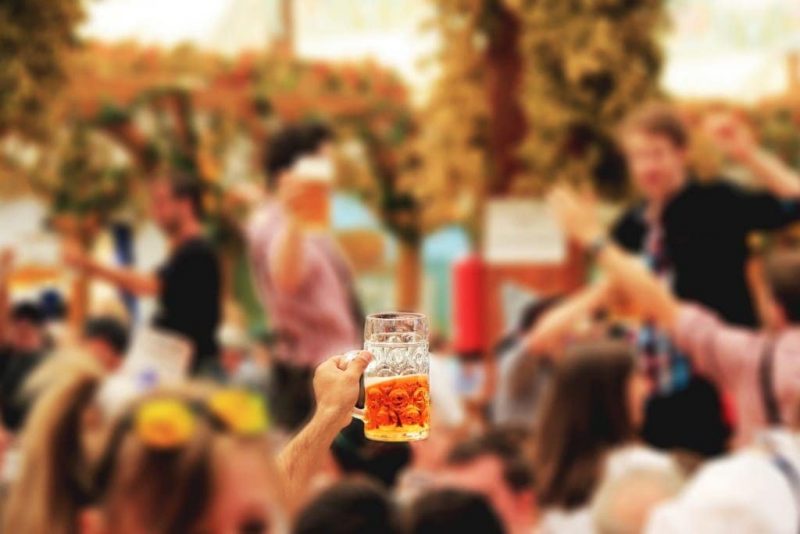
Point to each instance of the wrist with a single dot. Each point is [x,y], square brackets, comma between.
[591,237]
[327,417]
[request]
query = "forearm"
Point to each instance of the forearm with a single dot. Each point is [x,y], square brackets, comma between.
[775,175]
[551,330]
[300,459]
[639,285]
[287,263]
[142,284]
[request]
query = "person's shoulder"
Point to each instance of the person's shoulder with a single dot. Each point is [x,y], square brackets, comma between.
[264,222]
[198,247]
[556,521]
[742,492]
[751,466]
[636,457]
[716,189]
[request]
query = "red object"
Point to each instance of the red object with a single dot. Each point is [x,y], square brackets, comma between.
[469,296]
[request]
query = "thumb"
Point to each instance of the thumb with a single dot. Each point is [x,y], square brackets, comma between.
[358,364]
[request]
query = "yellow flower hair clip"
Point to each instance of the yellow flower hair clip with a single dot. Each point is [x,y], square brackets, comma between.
[242,412]
[164,423]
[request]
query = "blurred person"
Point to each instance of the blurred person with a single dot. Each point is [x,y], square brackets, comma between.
[601,309]
[453,511]
[188,284]
[303,280]
[756,489]
[493,466]
[234,349]
[704,256]
[522,374]
[758,367]
[443,370]
[245,363]
[54,309]
[23,346]
[700,258]
[623,505]
[318,139]
[178,464]
[173,462]
[588,432]
[350,507]
[106,339]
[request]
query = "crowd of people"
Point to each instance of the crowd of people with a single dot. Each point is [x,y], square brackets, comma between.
[662,397]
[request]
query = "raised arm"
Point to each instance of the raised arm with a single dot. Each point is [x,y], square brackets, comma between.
[142,284]
[720,351]
[578,218]
[336,385]
[550,331]
[736,140]
[288,257]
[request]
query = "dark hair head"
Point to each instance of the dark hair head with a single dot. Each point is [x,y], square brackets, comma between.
[355,507]
[315,134]
[583,416]
[355,454]
[504,444]
[109,330]
[283,151]
[190,188]
[52,304]
[29,312]
[783,273]
[658,119]
[453,511]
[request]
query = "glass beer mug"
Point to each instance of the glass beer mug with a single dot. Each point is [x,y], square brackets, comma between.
[397,404]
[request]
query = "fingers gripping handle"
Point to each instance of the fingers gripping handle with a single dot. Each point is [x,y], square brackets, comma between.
[358,413]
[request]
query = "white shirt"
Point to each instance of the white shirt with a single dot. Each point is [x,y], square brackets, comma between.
[744,493]
[448,408]
[617,464]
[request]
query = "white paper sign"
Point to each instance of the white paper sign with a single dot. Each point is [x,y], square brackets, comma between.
[156,358]
[165,356]
[522,231]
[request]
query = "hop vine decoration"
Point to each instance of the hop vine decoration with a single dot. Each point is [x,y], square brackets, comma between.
[451,141]
[90,181]
[37,38]
[587,64]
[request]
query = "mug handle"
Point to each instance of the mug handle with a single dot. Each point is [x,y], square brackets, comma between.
[358,413]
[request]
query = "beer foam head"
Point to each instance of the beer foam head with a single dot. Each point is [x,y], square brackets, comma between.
[314,168]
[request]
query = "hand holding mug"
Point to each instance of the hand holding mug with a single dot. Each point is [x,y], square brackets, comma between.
[336,386]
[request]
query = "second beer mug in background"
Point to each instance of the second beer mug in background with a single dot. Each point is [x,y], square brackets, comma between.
[396,383]
[316,173]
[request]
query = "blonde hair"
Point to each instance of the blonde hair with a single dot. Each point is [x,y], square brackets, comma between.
[167,490]
[53,483]
[172,490]
[623,504]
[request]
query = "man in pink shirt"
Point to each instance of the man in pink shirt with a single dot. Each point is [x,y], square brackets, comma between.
[760,369]
[302,278]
